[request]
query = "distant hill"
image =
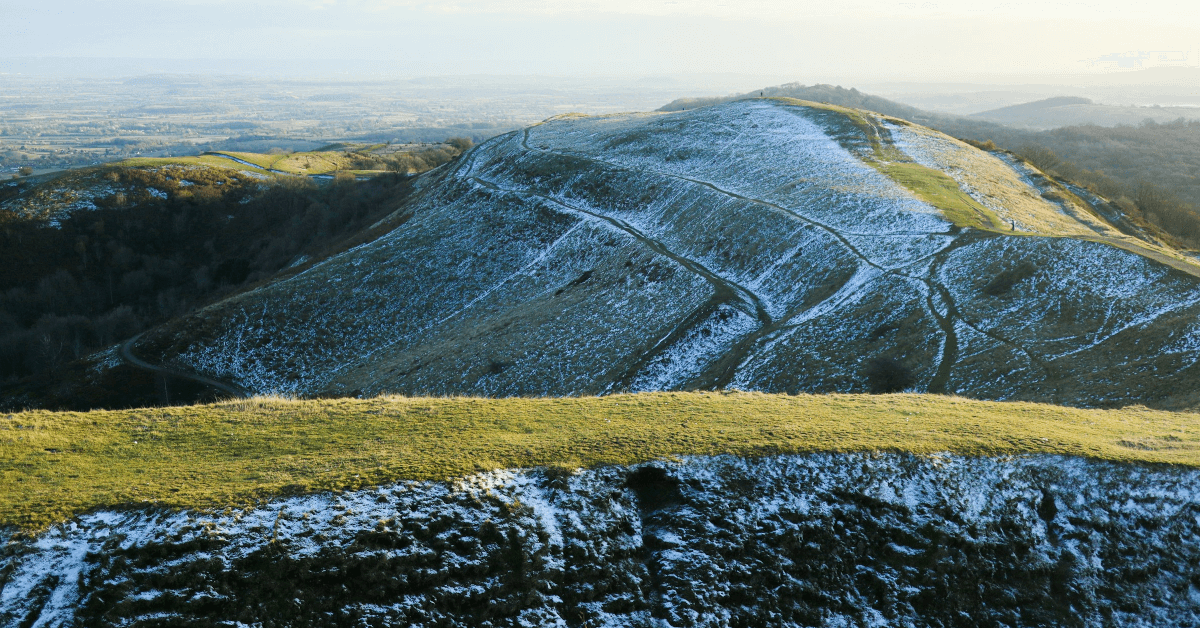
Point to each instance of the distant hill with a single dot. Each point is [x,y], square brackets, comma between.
[1068,111]
[1039,105]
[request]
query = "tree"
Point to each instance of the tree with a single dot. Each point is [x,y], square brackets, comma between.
[24,171]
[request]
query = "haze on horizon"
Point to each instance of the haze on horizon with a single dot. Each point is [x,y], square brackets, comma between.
[861,40]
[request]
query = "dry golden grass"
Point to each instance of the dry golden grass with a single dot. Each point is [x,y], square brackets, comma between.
[57,464]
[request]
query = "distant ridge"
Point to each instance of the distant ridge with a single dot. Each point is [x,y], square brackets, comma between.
[823,93]
[1037,105]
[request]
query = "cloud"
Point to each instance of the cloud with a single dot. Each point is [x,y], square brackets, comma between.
[1161,11]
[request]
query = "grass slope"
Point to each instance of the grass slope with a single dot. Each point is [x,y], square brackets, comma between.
[55,465]
[862,133]
[874,147]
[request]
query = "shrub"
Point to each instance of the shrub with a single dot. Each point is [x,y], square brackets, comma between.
[460,143]
[888,375]
[987,145]
[1005,281]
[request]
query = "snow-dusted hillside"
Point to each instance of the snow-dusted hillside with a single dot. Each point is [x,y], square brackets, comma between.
[819,540]
[50,202]
[752,244]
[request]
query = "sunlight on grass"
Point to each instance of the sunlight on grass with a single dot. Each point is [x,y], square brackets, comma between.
[944,193]
[57,464]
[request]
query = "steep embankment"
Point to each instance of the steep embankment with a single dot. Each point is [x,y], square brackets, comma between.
[858,540]
[770,244]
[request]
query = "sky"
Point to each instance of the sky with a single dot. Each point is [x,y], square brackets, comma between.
[826,40]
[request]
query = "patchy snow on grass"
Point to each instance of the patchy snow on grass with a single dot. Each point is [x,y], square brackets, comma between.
[992,181]
[106,359]
[697,348]
[1085,308]
[546,261]
[607,547]
[56,203]
[824,347]
[1111,291]
[763,150]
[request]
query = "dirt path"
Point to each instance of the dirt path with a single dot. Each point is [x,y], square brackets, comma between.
[126,352]
[746,348]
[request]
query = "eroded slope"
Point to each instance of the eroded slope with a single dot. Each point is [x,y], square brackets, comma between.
[861,540]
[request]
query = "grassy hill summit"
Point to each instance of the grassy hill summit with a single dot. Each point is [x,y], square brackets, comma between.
[765,244]
[59,464]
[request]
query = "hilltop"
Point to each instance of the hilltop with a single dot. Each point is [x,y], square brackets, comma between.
[1146,162]
[769,244]
[235,453]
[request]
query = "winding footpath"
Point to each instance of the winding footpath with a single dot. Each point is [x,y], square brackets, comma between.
[746,349]
[126,352]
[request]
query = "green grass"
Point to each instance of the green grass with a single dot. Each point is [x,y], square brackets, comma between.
[938,189]
[264,161]
[301,164]
[200,160]
[295,163]
[860,133]
[57,464]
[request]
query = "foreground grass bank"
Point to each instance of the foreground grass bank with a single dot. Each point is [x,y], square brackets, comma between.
[57,464]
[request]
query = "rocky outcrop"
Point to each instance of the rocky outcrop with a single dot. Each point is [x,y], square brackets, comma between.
[817,540]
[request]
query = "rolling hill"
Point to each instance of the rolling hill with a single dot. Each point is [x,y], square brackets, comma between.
[767,244]
[1064,111]
[1149,168]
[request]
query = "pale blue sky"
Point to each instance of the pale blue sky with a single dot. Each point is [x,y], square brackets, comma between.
[867,39]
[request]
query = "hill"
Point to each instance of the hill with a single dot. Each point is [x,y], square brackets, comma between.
[1150,167]
[771,245]
[358,159]
[1070,111]
[1031,108]
[93,257]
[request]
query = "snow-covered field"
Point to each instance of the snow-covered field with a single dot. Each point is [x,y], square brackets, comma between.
[587,254]
[821,540]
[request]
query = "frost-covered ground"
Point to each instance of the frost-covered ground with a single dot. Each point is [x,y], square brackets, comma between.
[816,540]
[80,191]
[591,254]
[53,203]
